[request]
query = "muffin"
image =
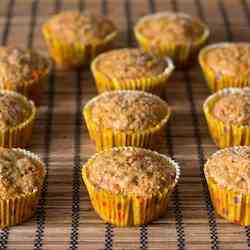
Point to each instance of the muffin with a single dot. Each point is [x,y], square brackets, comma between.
[226,65]
[228,116]
[130,186]
[126,118]
[176,35]
[227,175]
[74,38]
[23,71]
[22,176]
[17,115]
[131,69]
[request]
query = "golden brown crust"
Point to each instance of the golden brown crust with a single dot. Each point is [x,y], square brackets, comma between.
[230,168]
[19,65]
[168,27]
[131,172]
[231,59]
[19,174]
[129,64]
[127,111]
[233,108]
[14,110]
[74,27]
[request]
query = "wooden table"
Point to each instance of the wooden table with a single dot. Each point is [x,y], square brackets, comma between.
[65,218]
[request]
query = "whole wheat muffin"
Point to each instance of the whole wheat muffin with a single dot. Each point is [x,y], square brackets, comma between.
[230,168]
[20,174]
[131,69]
[230,59]
[127,111]
[176,35]
[234,108]
[20,65]
[126,118]
[171,27]
[129,64]
[21,178]
[130,186]
[24,71]
[86,28]
[131,172]
[75,38]
[13,110]
[228,176]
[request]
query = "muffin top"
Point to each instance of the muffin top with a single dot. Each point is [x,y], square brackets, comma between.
[170,27]
[128,110]
[19,65]
[234,108]
[14,110]
[129,64]
[72,26]
[131,172]
[230,168]
[230,59]
[19,174]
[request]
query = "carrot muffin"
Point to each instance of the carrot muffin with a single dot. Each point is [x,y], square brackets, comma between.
[131,118]
[131,69]
[228,116]
[234,108]
[23,71]
[17,116]
[177,35]
[74,38]
[130,186]
[22,174]
[227,174]
[226,65]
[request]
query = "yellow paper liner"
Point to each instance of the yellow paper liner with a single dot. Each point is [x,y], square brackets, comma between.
[132,210]
[20,135]
[76,54]
[218,81]
[32,89]
[154,84]
[16,210]
[107,138]
[181,54]
[225,135]
[232,206]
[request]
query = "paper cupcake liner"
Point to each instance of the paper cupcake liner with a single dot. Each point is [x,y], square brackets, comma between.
[225,135]
[18,136]
[233,206]
[217,81]
[181,54]
[107,138]
[32,89]
[122,210]
[16,210]
[76,54]
[154,84]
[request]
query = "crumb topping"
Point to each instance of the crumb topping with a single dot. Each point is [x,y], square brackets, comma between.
[176,28]
[19,174]
[72,26]
[231,168]
[233,108]
[131,172]
[19,65]
[127,111]
[13,111]
[233,59]
[130,64]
